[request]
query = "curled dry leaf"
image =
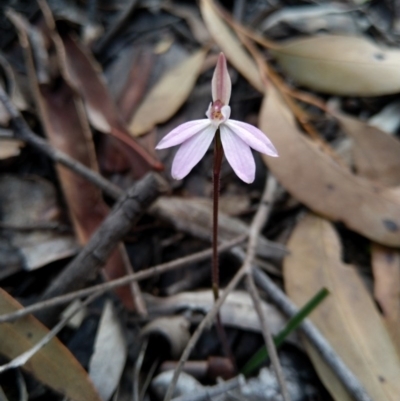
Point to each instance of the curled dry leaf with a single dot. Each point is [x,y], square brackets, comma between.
[175,329]
[237,311]
[376,154]
[316,180]
[168,94]
[341,65]
[348,319]
[110,353]
[230,44]
[54,365]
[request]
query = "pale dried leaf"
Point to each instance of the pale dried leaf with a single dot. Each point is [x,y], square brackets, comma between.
[237,311]
[110,353]
[168,94]
[341,65]
[54,365]
[314,179]
[10,148]
[230,45]
[376,154]
[386,268]
[348,319]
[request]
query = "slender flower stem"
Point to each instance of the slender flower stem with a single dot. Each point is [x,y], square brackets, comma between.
[218,154]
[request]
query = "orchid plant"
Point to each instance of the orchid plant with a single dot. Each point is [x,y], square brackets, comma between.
[234,138]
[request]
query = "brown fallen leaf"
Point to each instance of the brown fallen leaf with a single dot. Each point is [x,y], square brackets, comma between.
[168,94]
[316,180]
[85,76]
[10,148]
[64,120]
[230,45]
[54,365]
[386,269]
[341,65]
[140,68]
[348,319]
[376,154]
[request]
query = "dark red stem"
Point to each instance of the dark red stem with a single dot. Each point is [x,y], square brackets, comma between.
[218,154]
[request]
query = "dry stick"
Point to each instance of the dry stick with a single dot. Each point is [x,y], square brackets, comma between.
[24,133]
[257,225]
[102,288]
[22,359]
[104,240]
[343,373]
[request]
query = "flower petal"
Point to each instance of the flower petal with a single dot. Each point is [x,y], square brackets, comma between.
[238,154]
[182,133]
[221,82]
[191,151]
[252,136]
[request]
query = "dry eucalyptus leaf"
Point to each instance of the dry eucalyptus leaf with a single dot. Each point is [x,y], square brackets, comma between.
[386,268]
[110,353]
[175,329]
[230,45]
[309,19]
[10,148]
[313,178]
[168,94]
[376,154]
[349,318]
[237,311]
[194,216]
[341,65]
[54,365]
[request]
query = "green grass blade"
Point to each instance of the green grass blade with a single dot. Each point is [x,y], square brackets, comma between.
[262,354]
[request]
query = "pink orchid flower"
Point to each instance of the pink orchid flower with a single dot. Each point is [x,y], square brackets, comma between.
[237,137]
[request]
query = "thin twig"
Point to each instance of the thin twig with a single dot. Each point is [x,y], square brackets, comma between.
[142,275]
[24,133]
[257,225]
[269,341]
[343,373]
[24,357]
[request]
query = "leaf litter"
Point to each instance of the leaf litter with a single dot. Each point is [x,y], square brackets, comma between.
[107,99]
